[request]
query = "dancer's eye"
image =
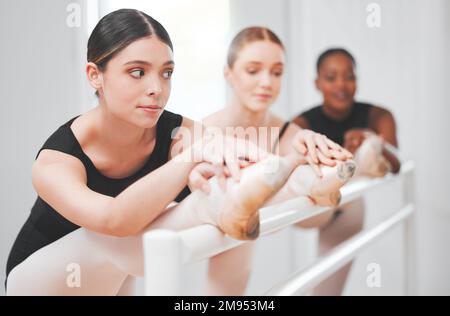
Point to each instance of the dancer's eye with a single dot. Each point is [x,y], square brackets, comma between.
[167,74]
[137,73]
[278,72]
[350,77]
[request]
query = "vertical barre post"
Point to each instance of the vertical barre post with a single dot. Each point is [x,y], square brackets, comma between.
[410,274]
[163,255]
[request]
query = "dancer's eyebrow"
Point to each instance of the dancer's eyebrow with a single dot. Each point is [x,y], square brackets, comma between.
[143,62]
[260,63]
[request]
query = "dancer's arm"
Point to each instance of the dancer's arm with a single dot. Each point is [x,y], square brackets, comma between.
[386,128]
[61,181]
[382,123]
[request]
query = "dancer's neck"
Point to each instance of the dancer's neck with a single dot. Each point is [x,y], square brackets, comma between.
[336,115]
[241,116]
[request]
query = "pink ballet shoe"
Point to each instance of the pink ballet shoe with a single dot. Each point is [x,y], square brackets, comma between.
[370,160]
[323,191]
[239,216]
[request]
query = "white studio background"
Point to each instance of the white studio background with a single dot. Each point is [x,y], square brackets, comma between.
[42,85]
[401,65]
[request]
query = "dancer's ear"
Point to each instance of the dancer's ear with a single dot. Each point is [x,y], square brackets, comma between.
[227,73]
[94,76]
[317,83]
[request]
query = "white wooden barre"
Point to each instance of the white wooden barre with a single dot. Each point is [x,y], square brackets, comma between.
[165,252]
[304,280]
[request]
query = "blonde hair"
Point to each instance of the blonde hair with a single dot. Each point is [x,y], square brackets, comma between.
[249,35]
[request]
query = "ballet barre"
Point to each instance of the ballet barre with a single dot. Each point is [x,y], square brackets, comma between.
[166,252]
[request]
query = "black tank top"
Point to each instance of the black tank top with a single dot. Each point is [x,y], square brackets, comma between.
[45,225]
[282,131]
[335,130]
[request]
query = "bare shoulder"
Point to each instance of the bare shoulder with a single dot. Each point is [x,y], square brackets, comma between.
[68,165]
[214,119]
[379,111]
[186,135]
[288,135]
[81,129]
[187,123]
[276,121]
[380,115]
[301,121]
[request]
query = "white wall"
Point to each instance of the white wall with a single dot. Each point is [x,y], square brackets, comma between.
[40,87]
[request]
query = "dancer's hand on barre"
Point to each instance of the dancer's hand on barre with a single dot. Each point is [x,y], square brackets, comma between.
[355,137]
[199,176]
[221,151]
[318,149]
[368,148]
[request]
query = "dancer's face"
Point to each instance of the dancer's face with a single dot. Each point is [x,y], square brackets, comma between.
[135,86]
[336,81]
[256,75]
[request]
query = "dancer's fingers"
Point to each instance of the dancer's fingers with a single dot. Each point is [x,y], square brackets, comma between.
[255,153]
[206,188]
[245,149]
[300,148]
[343,152]
[244,163]
[195,180]
[332,144]
[312,150]
[198,178]
[221,179]
[314,166]
[325,160]
[226,172]
[321,144]
[233,166]
[338,154]
[347,153]
[213,156]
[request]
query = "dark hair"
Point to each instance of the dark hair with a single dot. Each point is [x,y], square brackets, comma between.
[248,35]
[117,30]
[333,51]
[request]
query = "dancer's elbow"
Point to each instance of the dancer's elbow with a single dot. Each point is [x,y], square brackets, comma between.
[117,224]
[396,168]
[113,226]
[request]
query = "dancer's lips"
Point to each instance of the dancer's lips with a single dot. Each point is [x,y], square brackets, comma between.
[341,96]
[263,96]
[150,108]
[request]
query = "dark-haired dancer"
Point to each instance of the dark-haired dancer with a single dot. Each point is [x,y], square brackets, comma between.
[368,131]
